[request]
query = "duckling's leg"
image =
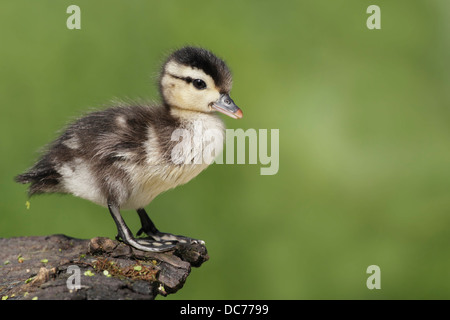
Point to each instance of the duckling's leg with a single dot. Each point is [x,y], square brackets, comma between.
[150,229]
[147,224]
[125,234]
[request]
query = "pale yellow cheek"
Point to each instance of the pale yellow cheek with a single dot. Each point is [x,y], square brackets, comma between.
[201,100]
[212,95]
[194,100]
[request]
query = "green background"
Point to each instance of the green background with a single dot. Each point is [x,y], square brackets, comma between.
[363,116]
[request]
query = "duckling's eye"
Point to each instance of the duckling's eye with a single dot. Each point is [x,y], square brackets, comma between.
[199,84]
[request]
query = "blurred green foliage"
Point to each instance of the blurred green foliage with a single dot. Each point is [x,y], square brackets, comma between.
[364,120]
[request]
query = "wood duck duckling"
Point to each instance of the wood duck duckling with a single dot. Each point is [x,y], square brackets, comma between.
[122,157]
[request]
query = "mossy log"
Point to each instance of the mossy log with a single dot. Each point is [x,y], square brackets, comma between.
[43,268]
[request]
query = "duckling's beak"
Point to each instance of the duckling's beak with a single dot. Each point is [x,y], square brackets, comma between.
[227,106]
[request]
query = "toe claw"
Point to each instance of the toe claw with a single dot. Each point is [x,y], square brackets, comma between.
[198,241]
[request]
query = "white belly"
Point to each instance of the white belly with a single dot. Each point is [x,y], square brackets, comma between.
[167,177]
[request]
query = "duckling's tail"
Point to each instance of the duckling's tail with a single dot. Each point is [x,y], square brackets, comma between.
[42,181]
[23,178]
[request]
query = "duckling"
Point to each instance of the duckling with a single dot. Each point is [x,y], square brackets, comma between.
[122,157]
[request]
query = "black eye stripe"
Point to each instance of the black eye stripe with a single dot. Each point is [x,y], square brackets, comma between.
[198,83]
[187,79]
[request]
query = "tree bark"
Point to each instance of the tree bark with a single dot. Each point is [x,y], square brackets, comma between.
[46,268]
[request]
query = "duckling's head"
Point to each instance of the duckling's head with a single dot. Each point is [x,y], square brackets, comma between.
[195,79]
